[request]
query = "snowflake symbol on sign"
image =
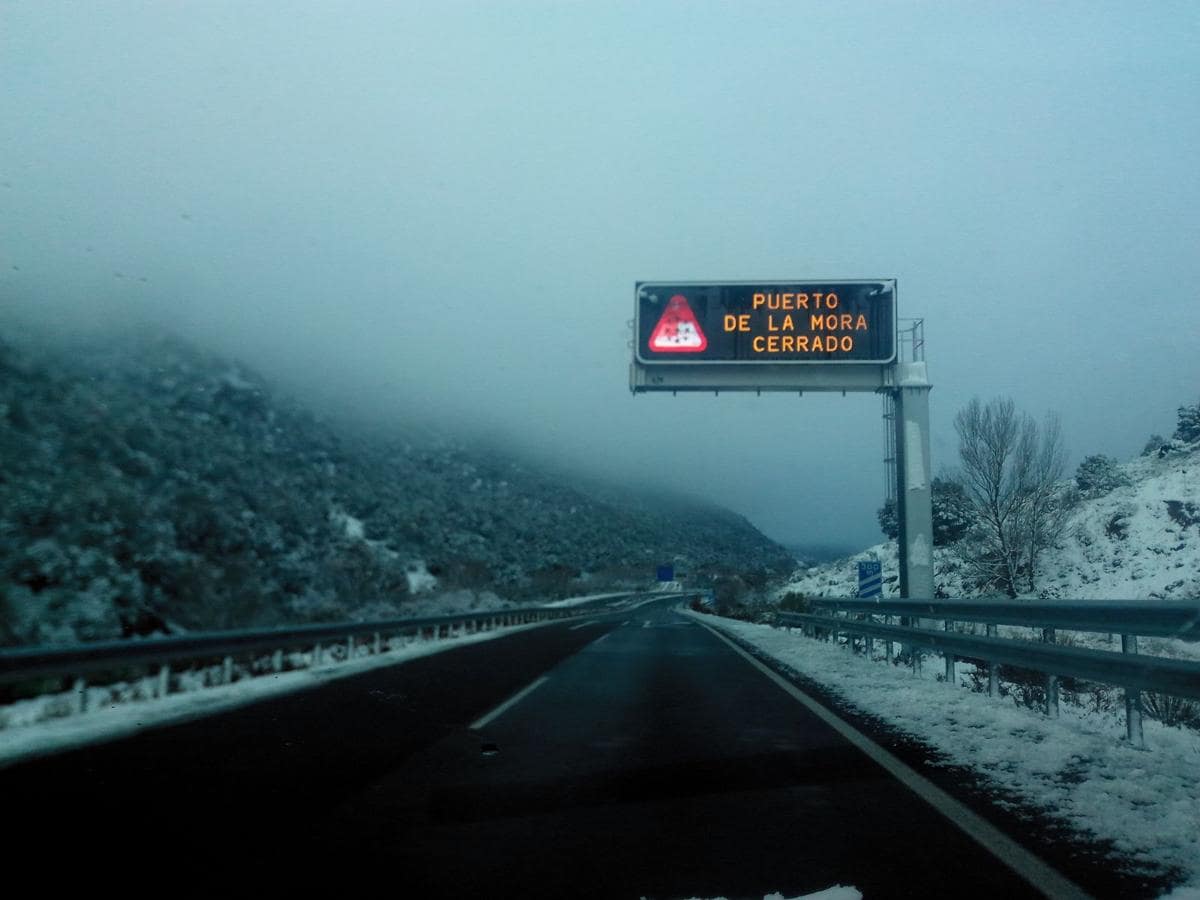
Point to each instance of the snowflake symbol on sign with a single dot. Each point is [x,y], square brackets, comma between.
[678,331]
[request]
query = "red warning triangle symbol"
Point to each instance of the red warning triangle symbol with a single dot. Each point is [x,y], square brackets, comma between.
[678,331]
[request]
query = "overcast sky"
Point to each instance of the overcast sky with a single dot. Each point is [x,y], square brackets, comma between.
[445,206]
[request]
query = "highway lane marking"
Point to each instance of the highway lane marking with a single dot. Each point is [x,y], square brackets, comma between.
[599,639]
[626,622]
[508,704]
[1038,873]
[584,625]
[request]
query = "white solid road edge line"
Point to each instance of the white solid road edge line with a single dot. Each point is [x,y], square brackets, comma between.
[584,625]
[508,704]
[1038,873]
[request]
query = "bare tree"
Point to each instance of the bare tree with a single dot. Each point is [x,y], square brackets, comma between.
[1048,503]
[1011,469]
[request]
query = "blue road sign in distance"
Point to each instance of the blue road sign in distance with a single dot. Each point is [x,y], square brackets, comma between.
[870,579]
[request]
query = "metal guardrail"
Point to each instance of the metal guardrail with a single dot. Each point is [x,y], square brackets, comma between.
[28,664]
[1131,671]
[1180,620]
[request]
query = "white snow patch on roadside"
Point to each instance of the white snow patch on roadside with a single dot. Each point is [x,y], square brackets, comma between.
[419,578]
[837,892]
[351,527]
[576,601]
[29,734]
[1078,768]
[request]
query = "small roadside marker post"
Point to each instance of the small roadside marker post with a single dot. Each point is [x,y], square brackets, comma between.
[870,584]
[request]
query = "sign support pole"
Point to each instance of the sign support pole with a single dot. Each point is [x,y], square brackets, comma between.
[914,492]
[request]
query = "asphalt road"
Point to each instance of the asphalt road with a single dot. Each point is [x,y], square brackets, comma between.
[634,755]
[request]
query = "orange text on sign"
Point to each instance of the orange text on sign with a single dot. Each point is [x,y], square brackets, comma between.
[794,301]
[802,343]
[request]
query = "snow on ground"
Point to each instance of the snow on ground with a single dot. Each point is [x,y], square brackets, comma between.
[1136,541]
[1078,768]
[1141,541]
[351,527]
[420,578]
[453,603]
[591,598]
[576,601]
[116,711]
[837,892]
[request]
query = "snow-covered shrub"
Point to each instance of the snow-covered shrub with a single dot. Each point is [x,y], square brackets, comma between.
[1117,526]
[889,522]
[1183,513]
[316,606]
[728,590]
[1098,475]
[953,512]
[1188,429]
[1171,710]
[1153,444]
[794,601]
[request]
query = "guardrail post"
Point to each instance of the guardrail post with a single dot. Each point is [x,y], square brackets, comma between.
[227,670]
[1051,680]
[993,669]
[1133,700]
[377,644]
[891,650]
[277,661]
[870,640]
[349,648]
[316,655]
[914,651]
[948,655]
[164,681]
[79,688]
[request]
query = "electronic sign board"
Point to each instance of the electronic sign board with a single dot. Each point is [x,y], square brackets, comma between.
[766,322]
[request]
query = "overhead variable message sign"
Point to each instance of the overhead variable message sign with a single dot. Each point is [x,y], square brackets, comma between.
[766,322]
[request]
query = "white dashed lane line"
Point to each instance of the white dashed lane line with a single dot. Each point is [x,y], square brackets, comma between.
[508,704]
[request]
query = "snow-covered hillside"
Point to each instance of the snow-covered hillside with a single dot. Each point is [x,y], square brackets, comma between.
[1141,541]
[149,486]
